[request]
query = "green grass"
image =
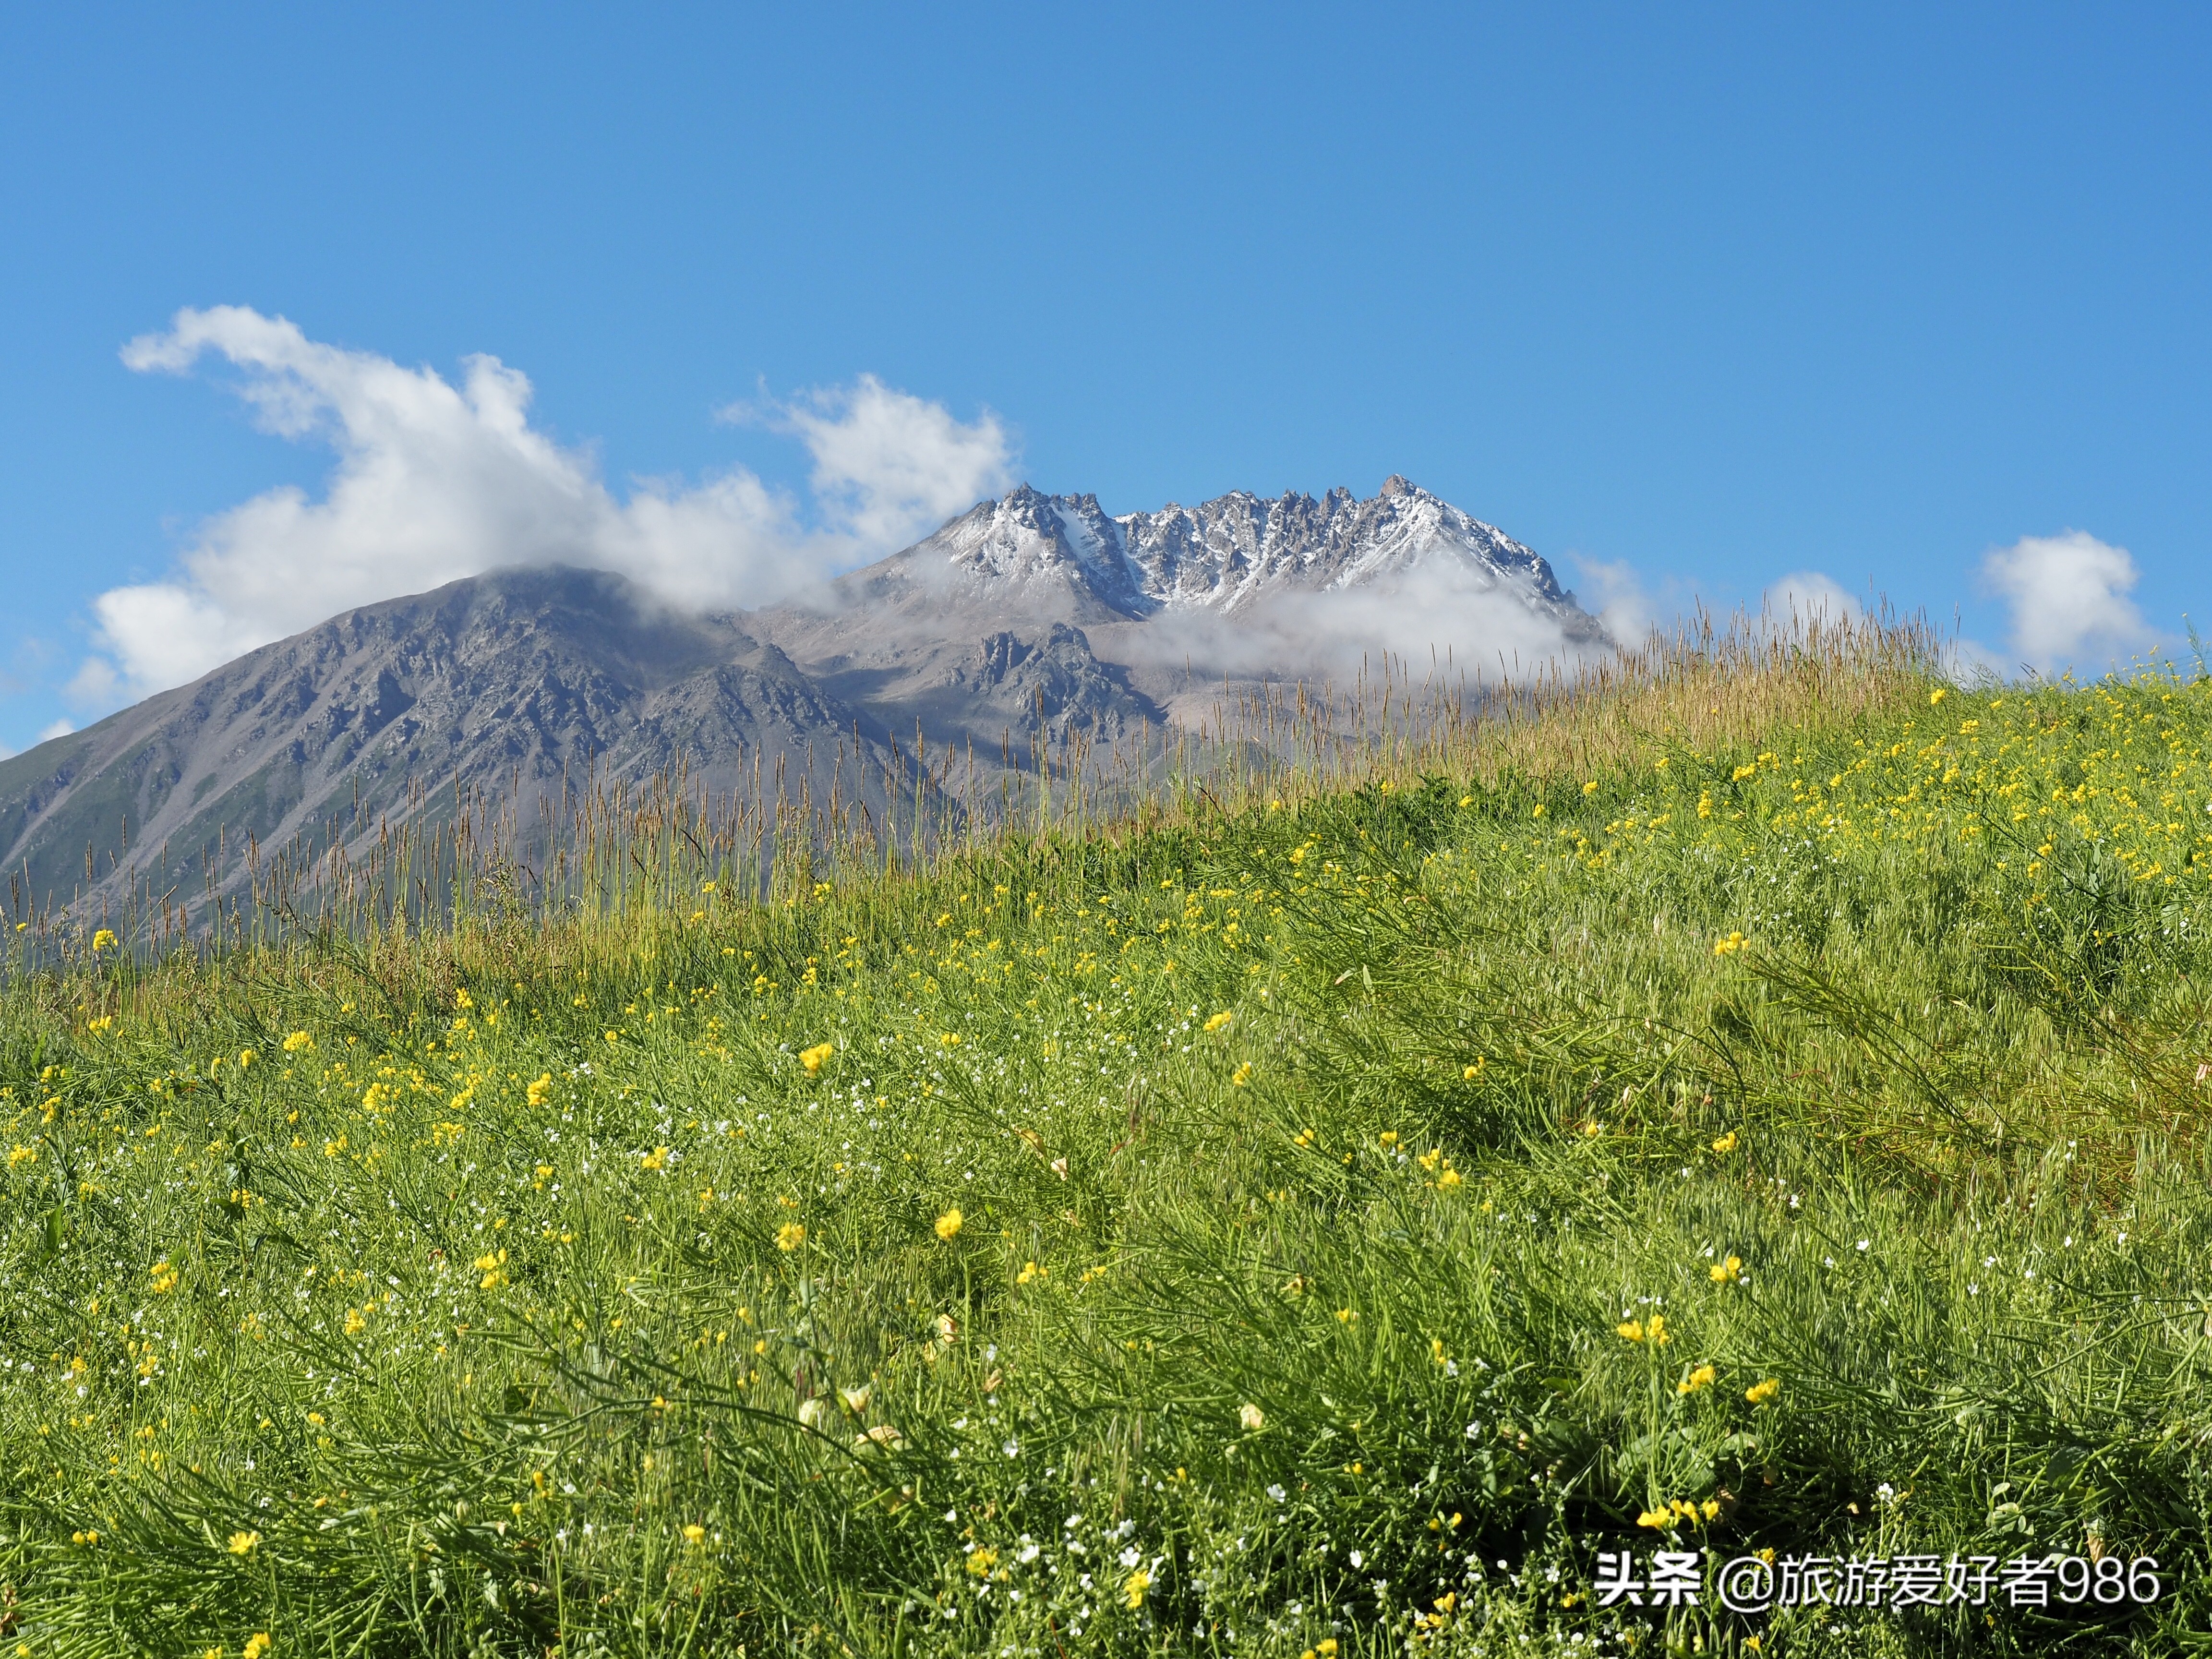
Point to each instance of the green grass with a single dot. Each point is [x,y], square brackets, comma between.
[1297,1325]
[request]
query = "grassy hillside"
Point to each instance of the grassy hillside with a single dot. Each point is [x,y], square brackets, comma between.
[1766,1123]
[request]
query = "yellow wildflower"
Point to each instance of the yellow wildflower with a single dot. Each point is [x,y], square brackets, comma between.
[540,1090]
[695,1534]
[1219,1020]
[1759,1393]
[242,1543]
[256,1644]
[1703,1377]
[981,1562]
[813,1059]
[1724,1273]
[1729,945]
[1726,1143]
[655,1160]
[790,1235]
[298,1040]
[103,940]
[1241,1076]
[950,1040]
[22,1155]
[1030,1271]
[1134,1588]
[948,1225]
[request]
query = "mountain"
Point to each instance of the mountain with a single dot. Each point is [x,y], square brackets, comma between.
[1029,619]
[509,683]
[1238,549]
[1049,555]
[1287,588]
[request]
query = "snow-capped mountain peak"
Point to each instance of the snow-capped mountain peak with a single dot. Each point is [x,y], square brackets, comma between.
[1224,553]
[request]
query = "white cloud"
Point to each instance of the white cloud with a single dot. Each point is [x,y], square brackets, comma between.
[54,729]
[1436,619]
[436,481]
[1806,597]
[885,463]
[2068,595]
[1623,604]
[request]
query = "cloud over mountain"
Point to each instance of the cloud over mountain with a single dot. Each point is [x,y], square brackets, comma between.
[435,480]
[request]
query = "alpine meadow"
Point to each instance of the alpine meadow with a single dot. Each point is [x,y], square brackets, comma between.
[1743,1103]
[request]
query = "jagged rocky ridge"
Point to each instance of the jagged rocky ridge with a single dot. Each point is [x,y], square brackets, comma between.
[1238,549]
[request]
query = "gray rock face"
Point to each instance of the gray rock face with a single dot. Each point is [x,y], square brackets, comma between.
[509,683]
[1030,619]
[1061,551]
[1057,686]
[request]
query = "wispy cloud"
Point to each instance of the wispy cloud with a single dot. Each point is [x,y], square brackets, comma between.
[1440,618]
[1618,598]
[887,465]
[1805,596]
[435,480]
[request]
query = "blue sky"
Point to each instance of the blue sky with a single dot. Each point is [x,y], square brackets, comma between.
[1714,294]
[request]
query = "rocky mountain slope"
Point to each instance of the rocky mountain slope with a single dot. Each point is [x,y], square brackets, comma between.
[1032,618]
[508,682]
[1287,588]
